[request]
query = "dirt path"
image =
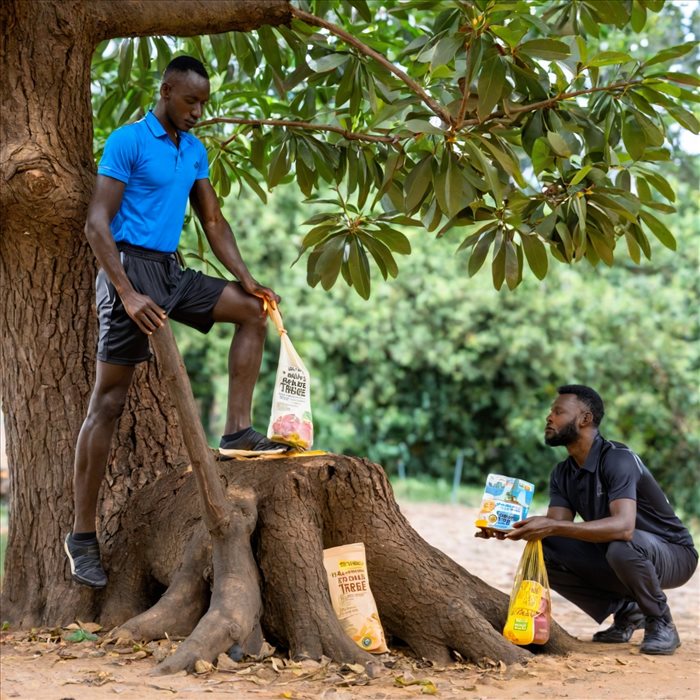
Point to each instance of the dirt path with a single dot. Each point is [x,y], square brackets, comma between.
[41,670]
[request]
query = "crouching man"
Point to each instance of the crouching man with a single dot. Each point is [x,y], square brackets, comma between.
[630,546]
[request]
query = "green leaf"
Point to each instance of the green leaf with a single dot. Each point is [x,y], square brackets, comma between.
[609,58]
[634,137]
[144,53]
[445,50]
[536,254]
[279,166]
[480,251]
[639,17]
[682,78]
[660,184]
[253,184]
[580,175]
[347,85]
[505,159]
[559,144]
[329,62]
[566,239]
[541,155]
[417,182]
[422,126]
[550,49]
[671,53]
[359,268]
[126,60]
[602,246]
[579,204]
[381,254]
[633,247]
[685,118]
[317,234]
[510,35]
[611,11]
[498,266]
[512,265]
[269,46]
[659,229]
[395,240]
[453,188]
[330,259]
[490,86]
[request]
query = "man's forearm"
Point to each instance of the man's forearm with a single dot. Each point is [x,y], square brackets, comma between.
[224,246]
[603,530]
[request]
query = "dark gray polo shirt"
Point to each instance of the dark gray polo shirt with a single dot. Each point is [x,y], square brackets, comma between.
[613,471]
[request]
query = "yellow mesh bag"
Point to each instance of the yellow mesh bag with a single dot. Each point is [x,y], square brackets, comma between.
[529,611]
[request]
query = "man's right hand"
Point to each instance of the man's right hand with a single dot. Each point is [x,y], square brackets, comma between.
[145,313]
[486,534]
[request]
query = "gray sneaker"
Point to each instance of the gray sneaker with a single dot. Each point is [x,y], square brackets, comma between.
[85,564]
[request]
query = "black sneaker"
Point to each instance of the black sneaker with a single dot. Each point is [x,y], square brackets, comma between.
[85,565]
[250,444]
[660,636]
[626,620]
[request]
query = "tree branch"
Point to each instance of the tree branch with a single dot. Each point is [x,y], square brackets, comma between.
[550,102]
[435,106]
[184,17]
[290,124]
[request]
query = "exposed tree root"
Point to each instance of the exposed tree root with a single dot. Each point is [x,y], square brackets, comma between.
[425,600]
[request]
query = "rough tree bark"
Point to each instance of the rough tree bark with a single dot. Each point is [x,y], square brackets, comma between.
[47,317]
[304,505]
[151,529]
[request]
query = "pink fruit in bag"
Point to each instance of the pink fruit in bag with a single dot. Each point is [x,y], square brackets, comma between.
[542,623]
[292,430]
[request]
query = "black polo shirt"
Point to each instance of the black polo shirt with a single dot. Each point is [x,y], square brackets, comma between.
[613,471]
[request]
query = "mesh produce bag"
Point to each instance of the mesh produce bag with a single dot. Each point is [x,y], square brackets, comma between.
[529,611]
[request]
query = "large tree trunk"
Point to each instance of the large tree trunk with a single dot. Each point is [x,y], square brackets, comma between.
[47,316]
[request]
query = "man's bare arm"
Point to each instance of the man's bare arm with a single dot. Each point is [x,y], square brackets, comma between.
[103,207]
[221,239]
[619,525]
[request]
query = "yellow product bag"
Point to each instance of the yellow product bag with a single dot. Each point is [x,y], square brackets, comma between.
[529,611]
[353,602]
[290,419]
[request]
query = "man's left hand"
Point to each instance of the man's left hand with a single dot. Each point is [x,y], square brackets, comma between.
[257,290]
[534,528]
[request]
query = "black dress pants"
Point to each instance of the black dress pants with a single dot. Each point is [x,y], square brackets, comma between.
[600,577]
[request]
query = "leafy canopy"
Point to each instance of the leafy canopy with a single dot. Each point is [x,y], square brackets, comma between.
[498,119]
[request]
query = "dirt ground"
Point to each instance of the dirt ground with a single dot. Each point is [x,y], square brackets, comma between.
[47,668]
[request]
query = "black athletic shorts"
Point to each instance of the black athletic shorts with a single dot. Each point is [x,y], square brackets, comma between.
[186,296]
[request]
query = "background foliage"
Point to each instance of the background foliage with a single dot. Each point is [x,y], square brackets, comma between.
[437,364]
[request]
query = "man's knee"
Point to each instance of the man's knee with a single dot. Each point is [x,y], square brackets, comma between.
[620,553]
[107,406]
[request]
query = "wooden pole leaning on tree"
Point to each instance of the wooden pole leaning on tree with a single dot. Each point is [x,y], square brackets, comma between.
[230,519]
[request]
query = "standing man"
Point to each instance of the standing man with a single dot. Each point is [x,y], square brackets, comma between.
[149,171]
[630,545]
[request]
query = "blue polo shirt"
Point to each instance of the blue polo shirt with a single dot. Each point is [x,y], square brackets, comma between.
[158,177]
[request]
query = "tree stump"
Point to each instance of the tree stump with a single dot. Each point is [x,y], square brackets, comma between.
[294,508]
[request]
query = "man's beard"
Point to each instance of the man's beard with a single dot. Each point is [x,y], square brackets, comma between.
[568,434]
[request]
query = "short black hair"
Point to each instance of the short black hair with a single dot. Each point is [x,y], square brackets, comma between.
[183,64]
[588,396]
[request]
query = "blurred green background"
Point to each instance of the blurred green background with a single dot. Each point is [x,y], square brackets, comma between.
[437,367]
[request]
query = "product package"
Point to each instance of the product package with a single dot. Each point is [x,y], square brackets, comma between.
[290,419]
[529,611]
[506,500]
[352,599]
